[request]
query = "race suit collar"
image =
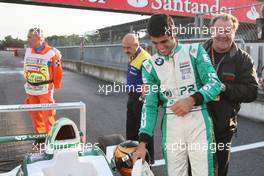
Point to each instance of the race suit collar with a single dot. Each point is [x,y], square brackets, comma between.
[175,49]
[136,54]
[40,48]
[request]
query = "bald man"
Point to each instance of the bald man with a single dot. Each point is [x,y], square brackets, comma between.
[137,56]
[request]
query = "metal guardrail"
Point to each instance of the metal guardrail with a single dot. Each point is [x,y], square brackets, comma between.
[106,55]
[37,107]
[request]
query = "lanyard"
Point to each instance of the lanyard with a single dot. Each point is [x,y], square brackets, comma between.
[216,66]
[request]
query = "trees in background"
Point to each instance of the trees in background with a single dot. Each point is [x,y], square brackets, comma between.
[64,40]
[55,40]
[73,40]
[10,42]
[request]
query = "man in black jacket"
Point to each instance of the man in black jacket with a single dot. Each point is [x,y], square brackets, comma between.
[236,71]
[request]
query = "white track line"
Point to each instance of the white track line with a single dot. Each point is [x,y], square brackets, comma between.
[11,72]
[158,163]
[247,147]
[233,150]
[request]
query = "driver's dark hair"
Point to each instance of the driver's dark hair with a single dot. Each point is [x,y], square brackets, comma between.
[160,25]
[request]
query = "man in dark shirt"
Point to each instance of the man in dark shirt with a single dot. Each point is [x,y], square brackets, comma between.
[236,71]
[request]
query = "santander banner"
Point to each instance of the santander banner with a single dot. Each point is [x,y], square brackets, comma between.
[245,13]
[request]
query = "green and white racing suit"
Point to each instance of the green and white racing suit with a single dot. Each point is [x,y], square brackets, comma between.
[186,71]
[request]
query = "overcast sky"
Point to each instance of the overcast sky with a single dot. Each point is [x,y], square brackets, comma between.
[16,19]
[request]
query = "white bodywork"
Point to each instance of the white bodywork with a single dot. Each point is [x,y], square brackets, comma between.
[67,162]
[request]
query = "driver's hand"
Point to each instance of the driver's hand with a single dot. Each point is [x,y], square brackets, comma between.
[145,91]
[140,153]
[183,106]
